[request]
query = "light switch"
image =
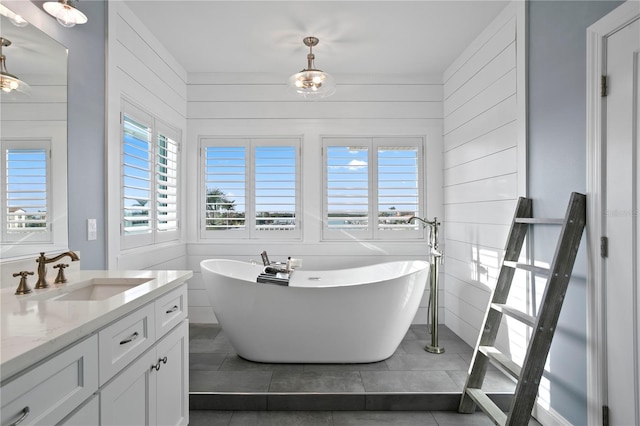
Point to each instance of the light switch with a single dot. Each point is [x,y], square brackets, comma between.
[92,229]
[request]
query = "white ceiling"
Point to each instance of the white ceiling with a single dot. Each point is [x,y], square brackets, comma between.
[373,37]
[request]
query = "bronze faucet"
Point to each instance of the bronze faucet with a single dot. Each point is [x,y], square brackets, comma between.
[42,269]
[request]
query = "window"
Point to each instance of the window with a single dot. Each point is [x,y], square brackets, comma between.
[26,184]
[372,187]
[250,188]
[150,179]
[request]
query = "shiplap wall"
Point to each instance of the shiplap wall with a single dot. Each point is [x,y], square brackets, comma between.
[142,71]
[484,167]
[42,115]
[258,105]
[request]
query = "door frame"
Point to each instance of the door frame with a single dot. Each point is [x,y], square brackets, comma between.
[596,114]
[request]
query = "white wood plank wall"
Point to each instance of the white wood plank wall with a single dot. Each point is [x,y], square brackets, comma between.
[482,170]
[142,71]
[259,105]
[42,115]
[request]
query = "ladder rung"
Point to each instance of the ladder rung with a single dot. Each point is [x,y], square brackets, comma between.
[515,313]
[488,406]
[543,221]
[502,361]
[526,267]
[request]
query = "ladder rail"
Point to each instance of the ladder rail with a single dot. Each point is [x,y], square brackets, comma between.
[543,325]
[492,318]
[549,311]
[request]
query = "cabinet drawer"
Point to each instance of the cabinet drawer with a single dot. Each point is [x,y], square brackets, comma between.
[53,389]
[121,342]
[170,310]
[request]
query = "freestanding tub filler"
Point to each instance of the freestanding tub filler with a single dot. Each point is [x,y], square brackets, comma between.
[352,315]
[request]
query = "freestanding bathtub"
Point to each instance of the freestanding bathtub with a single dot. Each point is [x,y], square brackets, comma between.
[352,315]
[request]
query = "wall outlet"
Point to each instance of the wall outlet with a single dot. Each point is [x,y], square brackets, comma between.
[92,229]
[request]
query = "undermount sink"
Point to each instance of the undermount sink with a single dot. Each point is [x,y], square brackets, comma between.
[93,289]
[102,288]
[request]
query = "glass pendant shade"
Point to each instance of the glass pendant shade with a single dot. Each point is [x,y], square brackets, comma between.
[311,82]
[67,15]
[9,83]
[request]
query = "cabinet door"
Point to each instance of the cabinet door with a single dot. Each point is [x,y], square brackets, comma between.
[130,398]
[172,379]
[88,414]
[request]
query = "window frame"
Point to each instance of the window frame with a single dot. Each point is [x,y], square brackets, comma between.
[157,127]
[41,237]
[373,231]
[249,233]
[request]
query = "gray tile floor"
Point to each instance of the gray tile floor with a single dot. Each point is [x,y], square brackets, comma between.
[215,367]
[336,418]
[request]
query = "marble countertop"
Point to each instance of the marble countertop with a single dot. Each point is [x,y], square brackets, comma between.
[33,326]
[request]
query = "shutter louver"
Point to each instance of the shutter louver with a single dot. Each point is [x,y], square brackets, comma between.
[347,188]
[167,184]
[398,197]
[27,185]
[137,190]
[225,185]
[275,188]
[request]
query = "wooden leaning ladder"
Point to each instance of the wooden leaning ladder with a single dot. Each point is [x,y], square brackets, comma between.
[543,326]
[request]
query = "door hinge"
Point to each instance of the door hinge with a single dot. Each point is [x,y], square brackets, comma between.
[604,88]
[604,247]
[605,415]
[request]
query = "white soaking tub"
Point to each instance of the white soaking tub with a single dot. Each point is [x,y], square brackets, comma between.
[354,315]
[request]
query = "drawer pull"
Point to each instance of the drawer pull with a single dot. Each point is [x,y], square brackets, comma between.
[159,364]
[25,413]
[133,337]
[175,308]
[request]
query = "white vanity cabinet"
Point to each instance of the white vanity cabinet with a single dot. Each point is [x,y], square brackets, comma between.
[51,390]
[132,369]
[154,389]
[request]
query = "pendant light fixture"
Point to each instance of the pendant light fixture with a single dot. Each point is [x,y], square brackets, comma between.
[9,82]
[14,18]
[312,82]
[67,15]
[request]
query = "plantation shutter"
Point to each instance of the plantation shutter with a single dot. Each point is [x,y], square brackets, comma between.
[137,180]
[225,184]
[275,188]
[167,172]
[27,191]
[398,197]
[347,186]
[373,185]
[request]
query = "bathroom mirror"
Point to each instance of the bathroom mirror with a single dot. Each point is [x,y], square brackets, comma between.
[33,135]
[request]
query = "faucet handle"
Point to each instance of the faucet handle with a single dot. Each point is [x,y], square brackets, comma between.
[23,288]
[60,278]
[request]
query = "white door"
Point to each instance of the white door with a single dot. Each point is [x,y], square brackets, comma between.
[621,225]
